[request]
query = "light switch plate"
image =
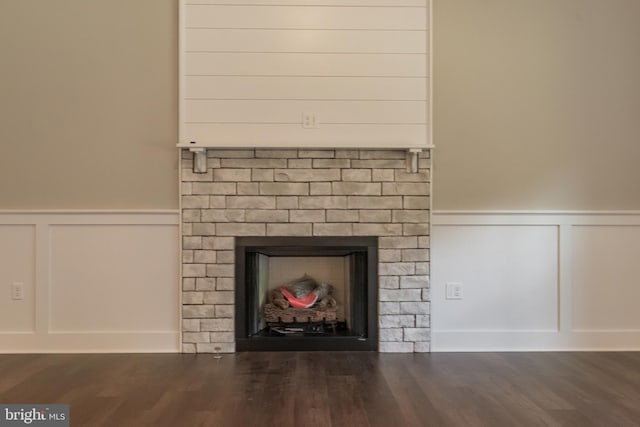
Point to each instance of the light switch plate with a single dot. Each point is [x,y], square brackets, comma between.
[17,291]
[454,290]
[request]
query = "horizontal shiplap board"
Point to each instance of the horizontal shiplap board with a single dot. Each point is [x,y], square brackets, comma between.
[394,3]
[316,17]
[312,41]
[306,88]
[249,70]
[283,135]
[329,112]
[310,65]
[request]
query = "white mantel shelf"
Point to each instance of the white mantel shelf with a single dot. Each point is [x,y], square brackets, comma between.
[200,163]
[299,147]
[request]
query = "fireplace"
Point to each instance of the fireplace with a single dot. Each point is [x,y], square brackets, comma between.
[345,319]
[282,197]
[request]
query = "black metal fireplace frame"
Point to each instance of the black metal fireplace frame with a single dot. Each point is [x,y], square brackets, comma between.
[365,306]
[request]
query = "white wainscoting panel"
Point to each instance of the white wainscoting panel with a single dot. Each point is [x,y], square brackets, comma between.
[17,265]
[606,278]
[536,281]
[509,275]
[85,285]
[94,281]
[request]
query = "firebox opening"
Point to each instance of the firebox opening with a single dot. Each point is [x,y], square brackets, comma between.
[335,279]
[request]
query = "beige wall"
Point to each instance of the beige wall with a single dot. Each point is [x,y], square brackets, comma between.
[88,104]
[536,104]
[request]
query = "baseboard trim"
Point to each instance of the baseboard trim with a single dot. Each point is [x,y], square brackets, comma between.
[89,342]
[473,341]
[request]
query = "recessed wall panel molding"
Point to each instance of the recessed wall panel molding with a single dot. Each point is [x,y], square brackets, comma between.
[89,281]
[17,278]
[528,281]
[606,278]
[250,72]
[112,278]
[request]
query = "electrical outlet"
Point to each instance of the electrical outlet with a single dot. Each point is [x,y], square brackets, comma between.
[17,291]
[454,290]
[310,120]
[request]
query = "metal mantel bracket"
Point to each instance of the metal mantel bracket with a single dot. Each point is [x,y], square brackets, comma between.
[199,159]
[412,159]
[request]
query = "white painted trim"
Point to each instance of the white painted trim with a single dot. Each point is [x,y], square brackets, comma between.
[463,341]
[88,211]
[42,339]
[534,212]
[536,218]
[182,51]
[91,342]
[430,32]
[250,144]
[53,218]
[43,258]
[566,338]
[180,227]
[565,277]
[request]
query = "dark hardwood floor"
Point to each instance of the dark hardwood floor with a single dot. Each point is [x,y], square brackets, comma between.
[332,389]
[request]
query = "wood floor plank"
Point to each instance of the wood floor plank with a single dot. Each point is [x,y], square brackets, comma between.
[377,398]
[341,389]
[416,409]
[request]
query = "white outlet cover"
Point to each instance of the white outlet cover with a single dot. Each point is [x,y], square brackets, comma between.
[310,120]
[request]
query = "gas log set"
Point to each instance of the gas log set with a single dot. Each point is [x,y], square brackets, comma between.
[303,306]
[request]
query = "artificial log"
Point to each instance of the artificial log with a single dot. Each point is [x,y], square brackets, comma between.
[278,309]
[273,314]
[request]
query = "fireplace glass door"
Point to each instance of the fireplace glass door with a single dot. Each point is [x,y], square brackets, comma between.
[306,293]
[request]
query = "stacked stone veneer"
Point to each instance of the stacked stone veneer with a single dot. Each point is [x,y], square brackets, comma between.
[305,193]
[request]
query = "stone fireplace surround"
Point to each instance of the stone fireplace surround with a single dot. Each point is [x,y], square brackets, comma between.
[294,192]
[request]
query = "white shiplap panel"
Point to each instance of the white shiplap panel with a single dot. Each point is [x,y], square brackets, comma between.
[283,135]
[306,88]
[273,64]
[305,17]
[394,3]
[250,69]
[329,112]
[310,41]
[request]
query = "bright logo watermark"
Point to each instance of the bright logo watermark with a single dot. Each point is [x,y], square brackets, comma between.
[34,415]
